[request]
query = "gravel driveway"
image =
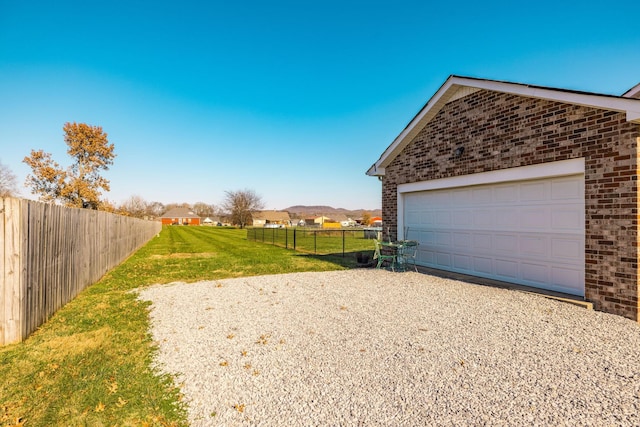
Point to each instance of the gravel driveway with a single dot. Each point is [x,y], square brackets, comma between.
[370,347]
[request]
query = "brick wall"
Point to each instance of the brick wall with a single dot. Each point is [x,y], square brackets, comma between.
[501,131]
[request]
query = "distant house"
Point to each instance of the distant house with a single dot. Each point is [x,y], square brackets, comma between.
[320,220]
[339,217]
[180,216]
[375,221]
[263,218]
[211,221]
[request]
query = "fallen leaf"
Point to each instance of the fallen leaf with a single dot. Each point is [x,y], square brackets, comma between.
[121,402]
[239,408]
[224,363]
[100,407]
[112,387]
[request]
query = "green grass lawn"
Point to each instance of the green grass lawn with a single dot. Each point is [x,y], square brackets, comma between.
[91,363]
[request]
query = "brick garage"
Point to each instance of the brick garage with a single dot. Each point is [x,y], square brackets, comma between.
[489,137]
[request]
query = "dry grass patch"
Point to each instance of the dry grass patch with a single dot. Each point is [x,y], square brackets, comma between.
[63,347]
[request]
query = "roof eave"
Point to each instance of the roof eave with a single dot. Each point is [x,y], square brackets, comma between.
[375,171]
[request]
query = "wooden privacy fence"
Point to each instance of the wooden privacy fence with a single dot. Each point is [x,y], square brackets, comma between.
[48,254]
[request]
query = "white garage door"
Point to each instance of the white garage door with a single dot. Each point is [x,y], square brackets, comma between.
[526,232]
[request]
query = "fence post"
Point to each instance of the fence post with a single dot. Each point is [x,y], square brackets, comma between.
[295,230]
[286,238]
[342,243]
[315,241]
[12,321]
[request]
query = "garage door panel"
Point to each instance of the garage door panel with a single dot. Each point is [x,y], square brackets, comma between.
[507,268]
[526,232]
[483,265]
[506,243]
[461,240]
[427,218]
[507,194]
[508,218]
[482,196]
[535,272]
[565,276]
[441,199]
[443,259]
[565,189]
[429,238]
[534,245]
[483,218]
[443,238]
[567,218]
[535,218]
[413,217]
[533,192]
[461,198]
[482,242]
[463,262]
[462,218]
[443,218]
[427,257]
[570,249]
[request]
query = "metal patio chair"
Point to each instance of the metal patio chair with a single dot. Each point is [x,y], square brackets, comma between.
[382,257]
[407,255]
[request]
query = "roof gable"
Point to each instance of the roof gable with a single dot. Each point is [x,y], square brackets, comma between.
[457,87]
[179,213]
[271,215]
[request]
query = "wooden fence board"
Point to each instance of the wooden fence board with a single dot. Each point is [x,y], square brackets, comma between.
[2,273]
[12,278]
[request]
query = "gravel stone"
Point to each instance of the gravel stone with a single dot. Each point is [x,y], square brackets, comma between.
[376,348]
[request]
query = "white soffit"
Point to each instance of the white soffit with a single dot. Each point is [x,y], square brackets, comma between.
[456,87]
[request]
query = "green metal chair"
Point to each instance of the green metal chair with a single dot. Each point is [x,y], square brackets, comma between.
[382,257]
[407,255]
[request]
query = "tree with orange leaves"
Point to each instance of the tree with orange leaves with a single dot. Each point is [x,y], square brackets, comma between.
[79,185]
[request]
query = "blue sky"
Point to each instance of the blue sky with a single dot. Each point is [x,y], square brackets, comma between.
[292,99]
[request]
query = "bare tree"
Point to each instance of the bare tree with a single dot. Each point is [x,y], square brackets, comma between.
[170,206]
[155,209]
[8,183]
[134,206]
[204,210]
[240,204]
